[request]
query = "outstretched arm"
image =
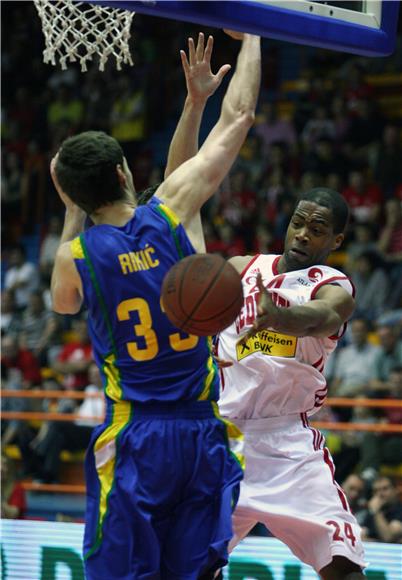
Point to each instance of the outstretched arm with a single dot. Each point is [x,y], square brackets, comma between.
[201,84]
[66,287]
[194,182]
[320,317]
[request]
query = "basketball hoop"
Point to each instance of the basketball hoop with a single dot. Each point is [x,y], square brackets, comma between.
[78,31]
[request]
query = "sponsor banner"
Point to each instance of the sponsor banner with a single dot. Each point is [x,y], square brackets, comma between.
[33,550]
[267,342]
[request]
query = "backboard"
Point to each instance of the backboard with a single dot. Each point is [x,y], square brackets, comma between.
[364,27]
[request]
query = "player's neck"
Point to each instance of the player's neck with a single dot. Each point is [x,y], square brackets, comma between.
[116,214]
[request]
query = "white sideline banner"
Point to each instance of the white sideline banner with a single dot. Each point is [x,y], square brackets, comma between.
[36,550]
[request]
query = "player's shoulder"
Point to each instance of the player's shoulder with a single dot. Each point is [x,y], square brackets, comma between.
[241,262]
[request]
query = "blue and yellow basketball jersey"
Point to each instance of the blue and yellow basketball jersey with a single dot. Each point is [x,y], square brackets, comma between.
[143,357]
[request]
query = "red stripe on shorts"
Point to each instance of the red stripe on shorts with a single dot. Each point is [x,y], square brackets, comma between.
[341,493]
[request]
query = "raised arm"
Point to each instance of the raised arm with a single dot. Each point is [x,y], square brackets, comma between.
[66,287]
[201,84]
[321,317]
[193,183]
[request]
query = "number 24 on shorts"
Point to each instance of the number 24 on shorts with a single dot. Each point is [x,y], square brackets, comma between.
[348,532]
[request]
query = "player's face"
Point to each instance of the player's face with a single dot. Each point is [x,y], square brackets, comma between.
[310,237]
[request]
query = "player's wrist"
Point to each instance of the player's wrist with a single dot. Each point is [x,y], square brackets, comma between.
[196,101]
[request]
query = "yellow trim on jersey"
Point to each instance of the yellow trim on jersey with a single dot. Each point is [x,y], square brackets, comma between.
[76,249]
[106,470]
[208,379]
[170,214]
[113,388]
[234,435]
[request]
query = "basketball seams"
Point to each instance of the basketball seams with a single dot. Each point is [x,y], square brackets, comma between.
[220,313]
[204,283]
[204,294]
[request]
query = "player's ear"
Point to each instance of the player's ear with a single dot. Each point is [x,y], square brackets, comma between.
[338,241]
[121,175]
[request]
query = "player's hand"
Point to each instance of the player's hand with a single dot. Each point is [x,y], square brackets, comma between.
[234,34]
[222,364]
[201,82]
[375,504]
[70,205]
[267,312]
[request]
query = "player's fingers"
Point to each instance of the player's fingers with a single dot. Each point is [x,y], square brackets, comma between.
[223,364]
[260,284]
[208,49]
[222,71]
[191,51]
[199,54]
[184,62]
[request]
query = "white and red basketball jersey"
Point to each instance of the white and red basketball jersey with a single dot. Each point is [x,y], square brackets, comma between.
[275,374]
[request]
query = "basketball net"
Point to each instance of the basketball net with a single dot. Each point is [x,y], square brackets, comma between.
[78,31]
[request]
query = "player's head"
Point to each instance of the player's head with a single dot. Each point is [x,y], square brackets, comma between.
[93,171]
[316,228]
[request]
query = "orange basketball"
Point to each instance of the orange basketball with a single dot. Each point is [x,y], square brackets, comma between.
[202,294]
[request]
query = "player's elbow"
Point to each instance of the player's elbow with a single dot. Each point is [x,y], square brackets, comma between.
[62,306]
[242,114]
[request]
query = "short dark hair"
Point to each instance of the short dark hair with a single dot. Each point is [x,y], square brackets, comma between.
[86,169]
[332,200]
[144,196]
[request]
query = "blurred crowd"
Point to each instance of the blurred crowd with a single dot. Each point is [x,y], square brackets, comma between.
[324,122]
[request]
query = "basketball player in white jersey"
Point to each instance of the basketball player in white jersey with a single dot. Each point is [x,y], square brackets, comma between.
[295,309]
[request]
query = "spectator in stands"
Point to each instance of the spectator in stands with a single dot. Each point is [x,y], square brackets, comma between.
[364,132]
[383,521]
[353,367]
[38,327]
[20,371]
[75,357]
[354,488]
[320,126]
[271,128]
[128,116]
[16,358]
[70,435]
[21,277]
[10,318]
[251,158]
[364,241]
[65,109]
[11,186]
[387,358]
[390,245]
[384,449]
[231,242]
[364,199]
[341,119]
[49,247]
[324,160]
[13,500]
[371,283]
[388,170]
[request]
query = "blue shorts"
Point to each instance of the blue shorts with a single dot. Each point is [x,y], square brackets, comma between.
[161,487]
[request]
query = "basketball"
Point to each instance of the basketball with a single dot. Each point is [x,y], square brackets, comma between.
[202,294]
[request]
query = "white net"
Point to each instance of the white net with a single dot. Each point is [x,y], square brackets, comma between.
[79,32]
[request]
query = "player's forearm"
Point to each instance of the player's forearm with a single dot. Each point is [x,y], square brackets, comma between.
[74,221]
[184,144]
[318,320]
[242,94]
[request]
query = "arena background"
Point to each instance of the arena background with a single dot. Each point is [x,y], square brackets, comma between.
[324,118]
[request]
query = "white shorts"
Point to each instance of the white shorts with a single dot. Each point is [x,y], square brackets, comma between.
[289,486]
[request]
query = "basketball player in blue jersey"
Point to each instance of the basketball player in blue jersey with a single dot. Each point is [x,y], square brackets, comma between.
[161,480]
